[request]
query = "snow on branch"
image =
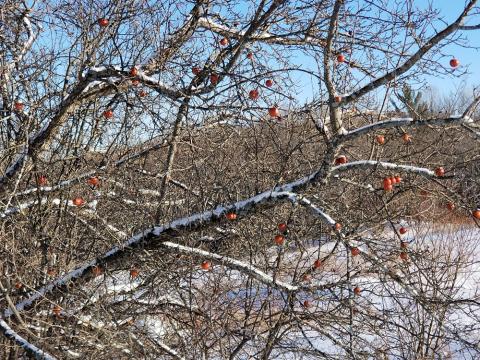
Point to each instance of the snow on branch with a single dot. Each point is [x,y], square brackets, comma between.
[31,38]
[383,165]
[24,344]
[295,198]
[165,347]
[201,219]
[19,208]
[153,234]
[387,124]
[106,73]
[244,268]
[319,212]
[66,183]
[26,205]
[475,133]
[264,36]
[62,184]
[368,187]
[232,263]
[26,46]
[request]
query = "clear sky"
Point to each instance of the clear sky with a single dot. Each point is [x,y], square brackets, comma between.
[441,84]
[469,57]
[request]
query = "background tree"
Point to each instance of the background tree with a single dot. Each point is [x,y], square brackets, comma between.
[412,100]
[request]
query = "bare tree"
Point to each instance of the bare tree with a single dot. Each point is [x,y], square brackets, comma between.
[168,191]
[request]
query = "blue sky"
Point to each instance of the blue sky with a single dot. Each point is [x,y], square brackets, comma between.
[450,9]
[465,77]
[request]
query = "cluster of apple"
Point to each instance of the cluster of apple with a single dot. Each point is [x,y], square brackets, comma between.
[93,181]
[388,182]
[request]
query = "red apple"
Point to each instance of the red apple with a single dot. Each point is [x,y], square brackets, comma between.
[134,273]
[338,226]
[224,42]
[108,114]
[282,227]
[196,70]
[476,214]
[404,256]
[387,184]
[403,230]
[355,251]
[317,264]
[341,160]
[274,112]
[440,171]
[78,201]
[51,272]
[142,93]
[279,240]
[206,265]
[93,181]
[454,63]
[57,310]
[133,71]
[357,290]
[250,56]
[231,216]
[42,180]
[269,83]
[97,270]
[340,58]
[214,79]
[103,22]
[18,105]
[337,99]
[381,139]
[253,94]
[406,138]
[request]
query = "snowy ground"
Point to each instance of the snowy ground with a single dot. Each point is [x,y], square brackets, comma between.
[382,301]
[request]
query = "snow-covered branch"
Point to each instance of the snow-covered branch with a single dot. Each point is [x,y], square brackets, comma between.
[263,36]
[295,198]
[244,268]
[384,166]
[202,219]
[388,124]
[66,183]
[319,212]
[241,266]
[106,73]
[32,35]
[153,234]
[31,349]
[31,38]
[26,205]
